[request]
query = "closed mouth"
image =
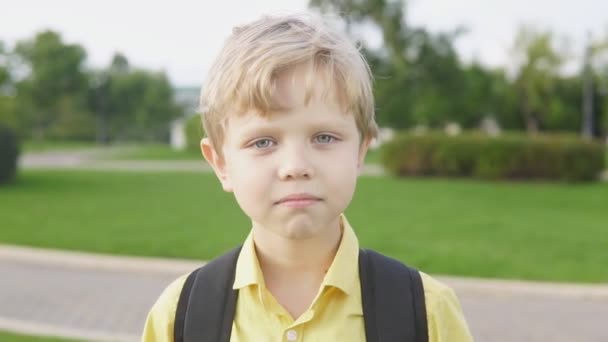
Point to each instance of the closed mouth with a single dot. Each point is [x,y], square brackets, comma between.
[298,199]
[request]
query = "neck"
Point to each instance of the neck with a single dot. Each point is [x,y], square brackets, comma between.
[280,256]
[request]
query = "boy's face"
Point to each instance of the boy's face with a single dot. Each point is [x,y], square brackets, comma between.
[295,171]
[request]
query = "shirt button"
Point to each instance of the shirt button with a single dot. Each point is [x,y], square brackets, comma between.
[292,335]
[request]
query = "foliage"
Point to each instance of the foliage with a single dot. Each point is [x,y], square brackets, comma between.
[132,104]
[8,115]
[539,63]
[46,93]
[51,93]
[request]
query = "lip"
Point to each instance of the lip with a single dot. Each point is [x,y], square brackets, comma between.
[300,200]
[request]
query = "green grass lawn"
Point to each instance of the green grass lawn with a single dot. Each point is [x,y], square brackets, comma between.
[10,337]
[508,230]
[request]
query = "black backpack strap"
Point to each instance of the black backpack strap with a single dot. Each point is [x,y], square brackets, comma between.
[207,303]
[392,295]
[182,306]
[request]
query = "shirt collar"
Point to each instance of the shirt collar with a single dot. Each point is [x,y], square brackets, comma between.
[343,272]
[248,270]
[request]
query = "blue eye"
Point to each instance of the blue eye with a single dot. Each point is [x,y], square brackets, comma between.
[324,138]
[263,143]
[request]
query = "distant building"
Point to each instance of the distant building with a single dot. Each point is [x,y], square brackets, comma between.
[187,97]
[178,134]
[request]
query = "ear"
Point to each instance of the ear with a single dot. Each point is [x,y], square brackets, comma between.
[362,152]
[217,162]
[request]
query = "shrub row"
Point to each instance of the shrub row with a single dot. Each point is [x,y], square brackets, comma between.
[510,156]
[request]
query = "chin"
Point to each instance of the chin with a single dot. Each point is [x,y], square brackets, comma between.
[300,230]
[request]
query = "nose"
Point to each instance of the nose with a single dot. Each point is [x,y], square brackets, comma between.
[295,164]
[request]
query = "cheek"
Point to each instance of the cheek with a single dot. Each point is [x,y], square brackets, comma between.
[249,196]
[343,176]
[341,191]
[250,185]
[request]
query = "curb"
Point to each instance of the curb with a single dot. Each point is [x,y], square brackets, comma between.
[526,288]
[94,261]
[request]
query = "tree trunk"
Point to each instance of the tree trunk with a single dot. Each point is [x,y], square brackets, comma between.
[38,133]
[532,126]
[530,120]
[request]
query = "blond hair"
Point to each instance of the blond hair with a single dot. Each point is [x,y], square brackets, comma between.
[245,73]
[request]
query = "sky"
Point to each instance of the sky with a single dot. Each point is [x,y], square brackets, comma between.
[182,37]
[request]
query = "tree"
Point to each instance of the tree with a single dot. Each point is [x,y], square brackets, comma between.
[4,73]
[595,84]
[7,103]
[538,65]
[132,104]
[53,89]
[102,104]
[488,93]
[436,80]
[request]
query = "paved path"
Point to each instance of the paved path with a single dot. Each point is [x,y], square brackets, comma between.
[106,298]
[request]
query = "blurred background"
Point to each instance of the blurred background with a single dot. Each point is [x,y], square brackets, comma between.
[490,164]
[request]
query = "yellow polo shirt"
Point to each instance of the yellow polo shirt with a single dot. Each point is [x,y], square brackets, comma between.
[259,317]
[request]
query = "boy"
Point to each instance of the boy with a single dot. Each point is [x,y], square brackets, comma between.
[289,114]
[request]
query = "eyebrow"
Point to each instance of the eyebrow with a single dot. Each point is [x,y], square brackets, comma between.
[248,134]
[267,126]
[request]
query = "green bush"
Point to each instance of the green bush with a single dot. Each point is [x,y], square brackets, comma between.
[511,156]
[9,151]
[194,133]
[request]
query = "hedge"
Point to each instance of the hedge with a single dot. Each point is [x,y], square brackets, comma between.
[511,156]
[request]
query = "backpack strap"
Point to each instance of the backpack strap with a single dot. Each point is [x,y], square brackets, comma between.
[392,295]
[206,305]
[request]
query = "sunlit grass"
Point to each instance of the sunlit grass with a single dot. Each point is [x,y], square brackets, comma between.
[509,230]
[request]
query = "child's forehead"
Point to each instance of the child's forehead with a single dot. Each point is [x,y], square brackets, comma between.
[291,89]
[300,85]
[317,111]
